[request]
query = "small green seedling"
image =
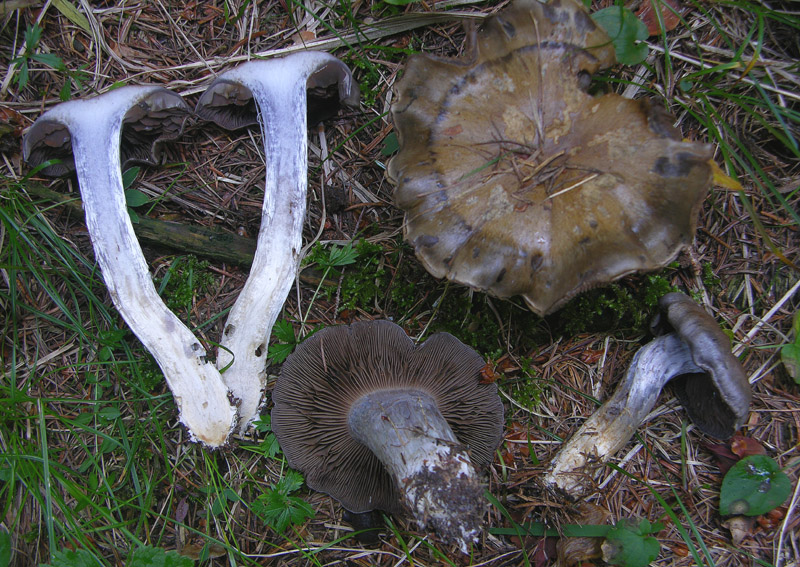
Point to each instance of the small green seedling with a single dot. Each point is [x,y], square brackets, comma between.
[278,508]
[33,34]
[268,447]
[627,33]
[283,331]
[753,486]
[629,543]
[790,353]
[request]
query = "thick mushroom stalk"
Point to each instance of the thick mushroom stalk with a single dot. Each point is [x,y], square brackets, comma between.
[406,432]
[278,88]
[710,382]
[95,136]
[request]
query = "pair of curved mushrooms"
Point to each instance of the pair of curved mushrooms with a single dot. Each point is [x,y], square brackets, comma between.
[514,181]
[96,137]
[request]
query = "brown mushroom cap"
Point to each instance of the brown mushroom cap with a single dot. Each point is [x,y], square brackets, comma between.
[515,181]
[155,119]
[230,104]
[336,366]
[718,400]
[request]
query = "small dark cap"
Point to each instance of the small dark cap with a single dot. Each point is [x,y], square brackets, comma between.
[231,105]
[155,119]
[718,400]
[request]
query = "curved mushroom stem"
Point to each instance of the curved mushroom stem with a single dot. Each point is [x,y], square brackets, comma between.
[613,425]
[95,127]
[278,87]
[408,434]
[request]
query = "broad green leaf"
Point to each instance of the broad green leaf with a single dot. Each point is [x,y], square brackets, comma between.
[269,447]
[753,486]
[156,557]
[129,176]
[629,544]
[280,511]
[340,256]
[109,412]
[627,33]
[135,198]
[289,483]
[284,331]
[390,144]
[280,352]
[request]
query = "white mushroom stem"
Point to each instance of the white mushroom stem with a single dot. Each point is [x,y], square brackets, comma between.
[95,126]
[279,89]
[407,433]
[613,425]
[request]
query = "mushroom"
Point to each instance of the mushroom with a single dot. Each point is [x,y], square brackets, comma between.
[272,93]
[94,137]
[381,424]
[709,382]
[516,181]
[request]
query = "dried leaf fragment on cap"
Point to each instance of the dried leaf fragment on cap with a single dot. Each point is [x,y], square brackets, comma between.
[516,181]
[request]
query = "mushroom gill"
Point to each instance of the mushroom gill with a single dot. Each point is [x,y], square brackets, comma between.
[380,423]
[516,181]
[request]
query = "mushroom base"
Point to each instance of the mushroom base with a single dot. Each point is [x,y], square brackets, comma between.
[407,433]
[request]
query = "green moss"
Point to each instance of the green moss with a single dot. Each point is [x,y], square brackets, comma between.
[710,279]
[185,278]
[368,77]
[528,389]
[475,319]
[366,281]
[617,306]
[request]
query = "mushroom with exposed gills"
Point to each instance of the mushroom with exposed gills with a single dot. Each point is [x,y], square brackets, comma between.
[709,381]
[382,424]
[278,94]
[95,137]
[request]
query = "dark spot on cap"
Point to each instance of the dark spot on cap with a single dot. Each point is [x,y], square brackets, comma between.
[668,168]
[426,241]
[508,27]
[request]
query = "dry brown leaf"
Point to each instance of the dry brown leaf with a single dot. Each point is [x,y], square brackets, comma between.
[742,446]
[670,15]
